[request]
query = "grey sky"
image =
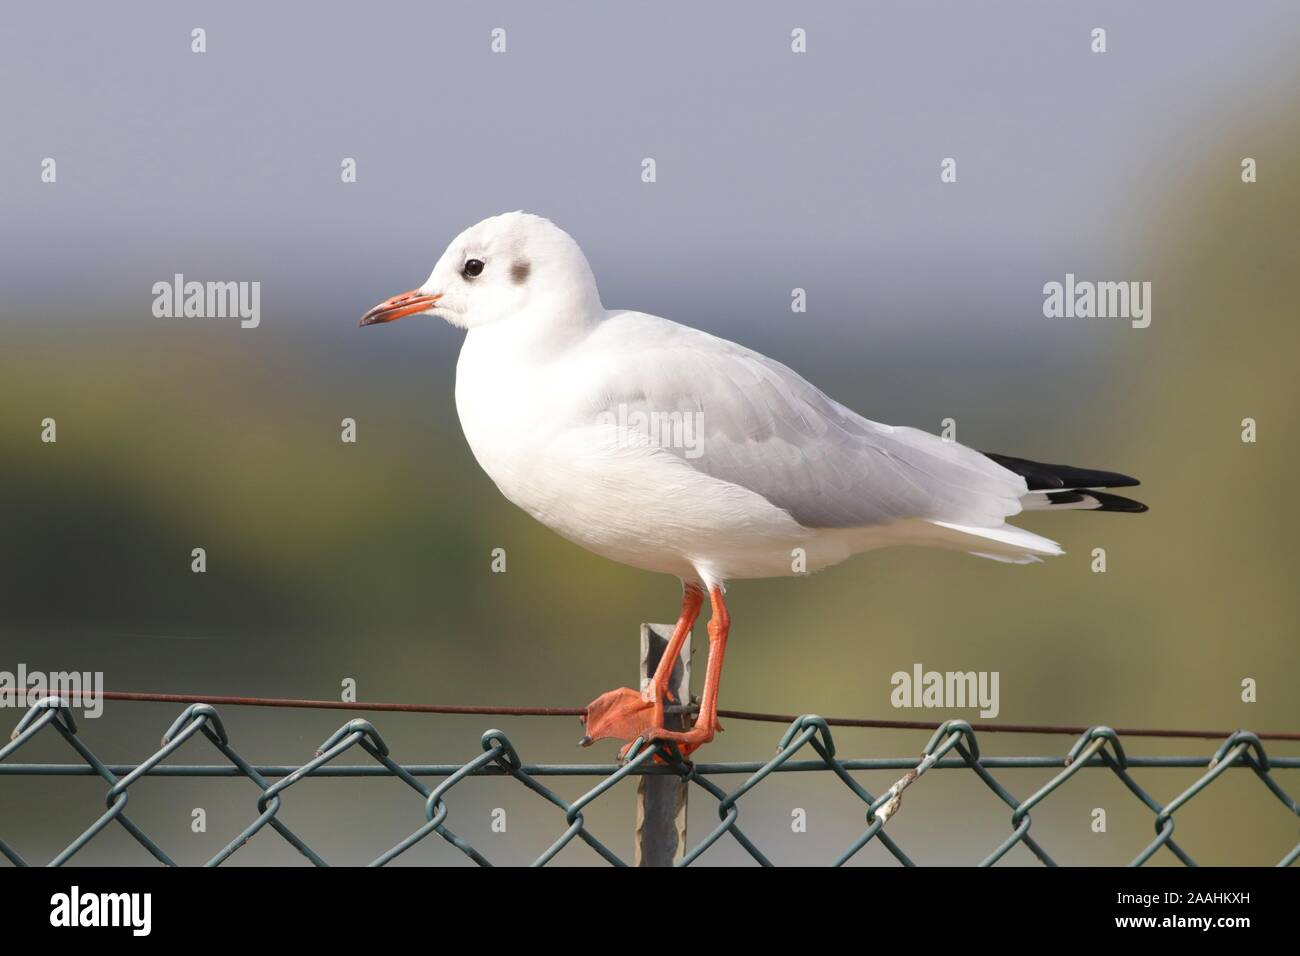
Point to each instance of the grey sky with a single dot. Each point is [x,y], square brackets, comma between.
[775,170]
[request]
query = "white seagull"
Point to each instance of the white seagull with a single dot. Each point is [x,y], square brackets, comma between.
[673,450]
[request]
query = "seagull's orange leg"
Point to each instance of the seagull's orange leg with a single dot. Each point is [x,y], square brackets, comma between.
[625,714]
[628,714]
[657,690]
[706,724]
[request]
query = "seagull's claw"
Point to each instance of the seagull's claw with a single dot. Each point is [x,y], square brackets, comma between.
[687,741]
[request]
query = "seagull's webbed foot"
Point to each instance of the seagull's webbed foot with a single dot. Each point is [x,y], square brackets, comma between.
[624,713]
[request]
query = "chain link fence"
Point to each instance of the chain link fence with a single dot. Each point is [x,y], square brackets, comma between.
[806,746]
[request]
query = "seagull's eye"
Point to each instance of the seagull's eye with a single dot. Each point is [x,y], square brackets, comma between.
[472,268]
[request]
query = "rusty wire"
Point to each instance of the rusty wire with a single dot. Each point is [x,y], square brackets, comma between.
[497,710]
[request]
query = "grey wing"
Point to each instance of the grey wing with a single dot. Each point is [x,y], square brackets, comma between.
[758,424]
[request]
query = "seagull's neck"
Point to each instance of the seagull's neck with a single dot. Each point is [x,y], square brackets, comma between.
[536,334]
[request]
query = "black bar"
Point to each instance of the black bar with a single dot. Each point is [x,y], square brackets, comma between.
[435,909]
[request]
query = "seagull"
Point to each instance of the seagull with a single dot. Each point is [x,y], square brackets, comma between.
[672,450]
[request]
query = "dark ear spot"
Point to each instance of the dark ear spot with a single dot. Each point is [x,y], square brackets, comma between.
[519,272]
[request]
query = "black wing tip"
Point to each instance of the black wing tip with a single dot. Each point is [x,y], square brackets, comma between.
[1105,502]
[1115,480]
[1041,476]
[1118,503]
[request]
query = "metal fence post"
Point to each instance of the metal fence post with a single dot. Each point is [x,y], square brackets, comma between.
[660,798]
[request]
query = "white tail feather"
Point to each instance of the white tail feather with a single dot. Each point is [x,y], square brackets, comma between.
[1003,543]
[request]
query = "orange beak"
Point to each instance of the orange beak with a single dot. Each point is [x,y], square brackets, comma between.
[408,303]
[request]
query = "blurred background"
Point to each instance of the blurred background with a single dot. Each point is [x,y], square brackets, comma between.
[329,561]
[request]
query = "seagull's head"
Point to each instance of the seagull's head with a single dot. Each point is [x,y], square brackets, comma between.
[512,266]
